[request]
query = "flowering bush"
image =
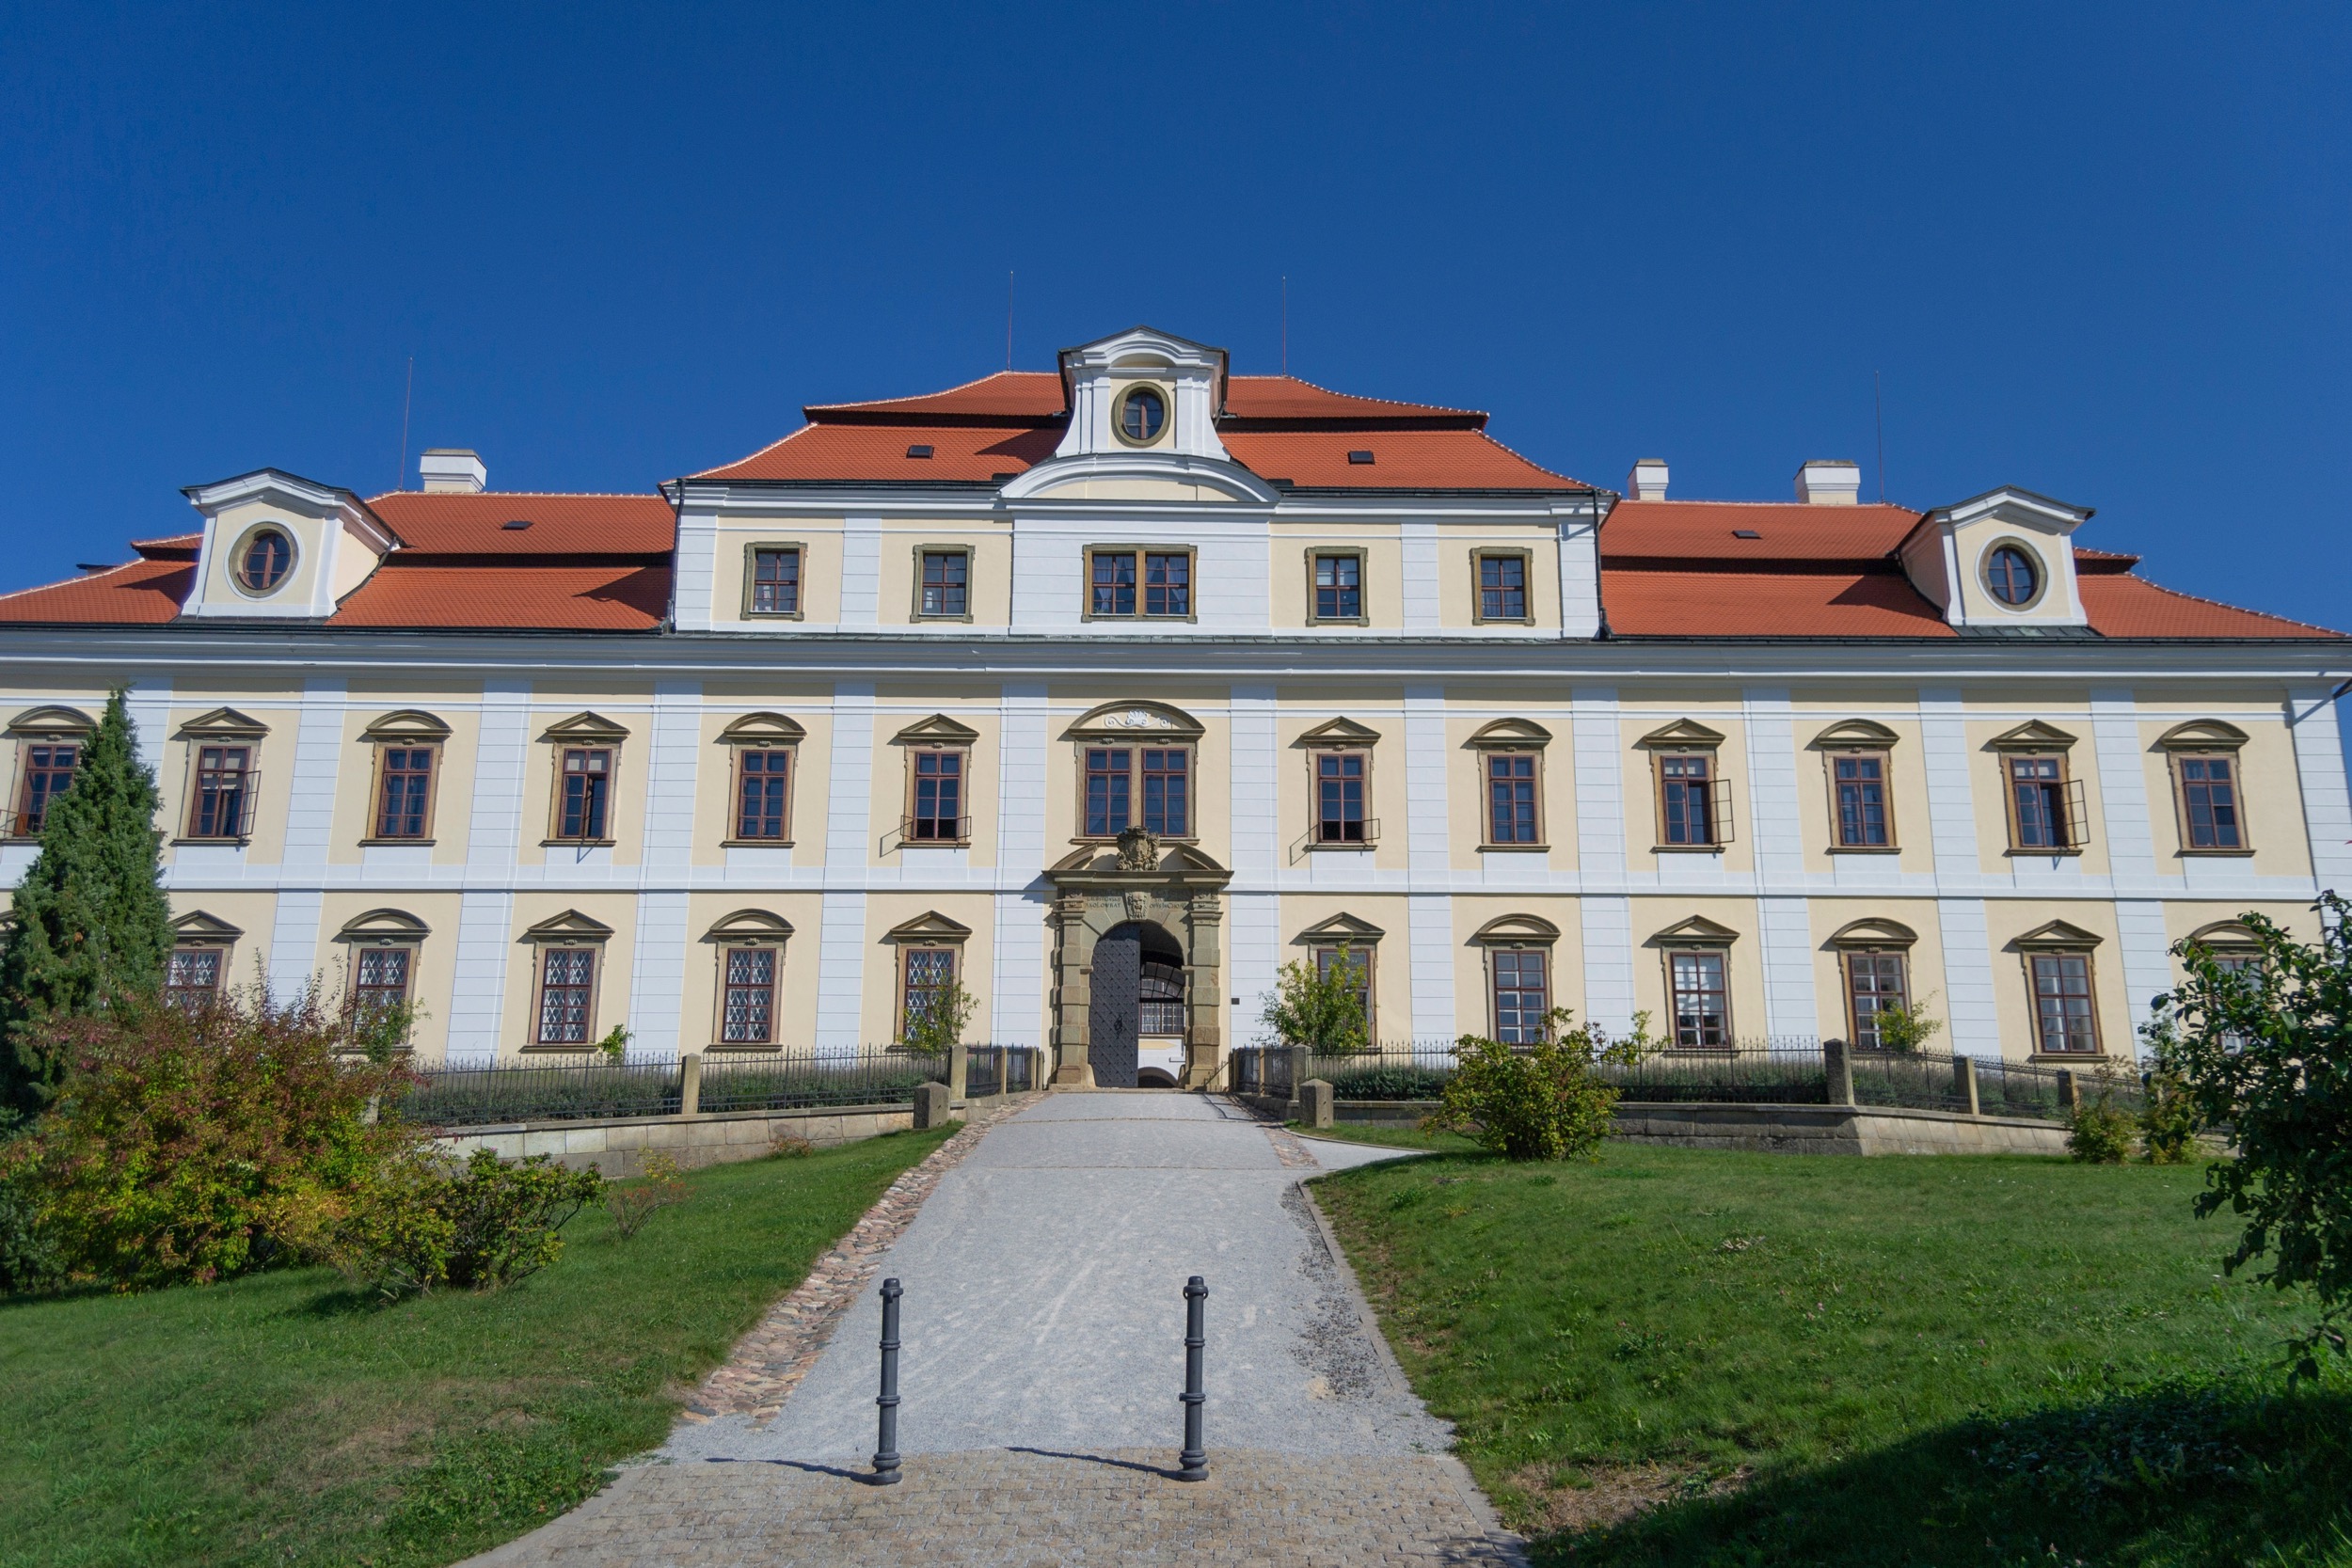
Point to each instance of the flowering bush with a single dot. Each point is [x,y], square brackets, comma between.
[1539,1101]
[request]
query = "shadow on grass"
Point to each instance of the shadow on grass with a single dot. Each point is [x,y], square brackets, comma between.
[2169,1477]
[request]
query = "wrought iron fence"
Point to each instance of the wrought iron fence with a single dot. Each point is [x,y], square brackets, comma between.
[797,1080]
[991,1070]
[470,1095]
[1770,1071]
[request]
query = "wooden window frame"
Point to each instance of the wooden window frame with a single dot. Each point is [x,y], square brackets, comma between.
[2098,1050]
[1367,954]
[751,581]
[728,949]
[1526,559]
[914,603]
[589,1036]
[734,796]
[378,779]
[1136,746]
[222,951]
[907,950]
[1831,757]
[1846,957]
[1494,990]
[1719,838]
[360,947]
[2066,791]
[1487,800]
[1370,818]
[1670,951]
[246,807]
[1355,552]
[25,771]
[2175,759]
[556,836]
[963,796]
[1192,582]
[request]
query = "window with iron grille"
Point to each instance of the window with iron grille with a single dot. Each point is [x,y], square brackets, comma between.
[1686,799]
[1875,983]
[1702,1007]
[567,982]
[2209,802]
[1502,587]
[2065,1019]
[945,574]
[1338,587]
[937,807]
[1522,996]
[763,793]
[216,806]
[1160,992]
[747,1014]
[1358,962]
[927,972]
[1340,797]
[1511,797]
[587,793]
[2038,802]
[403,791]
[192,977]
[776,581]
[48,773]
[1860,780]
[380,979]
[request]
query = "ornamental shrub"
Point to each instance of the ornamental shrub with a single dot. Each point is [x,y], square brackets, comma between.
[2263,1048]
[2099,1134]
[191,1145]
[1540,1101]
[504,1218]
[1318,1008]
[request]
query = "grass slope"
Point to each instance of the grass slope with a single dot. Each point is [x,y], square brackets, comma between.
[280,1419]
[1810,1360]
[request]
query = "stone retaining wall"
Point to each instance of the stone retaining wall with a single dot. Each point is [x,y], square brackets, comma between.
[1776,1129]
[618,1146]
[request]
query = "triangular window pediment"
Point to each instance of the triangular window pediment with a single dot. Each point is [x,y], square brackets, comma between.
[1683,734]
[593,729]
[930,927]
[223,723]
[1856,732]
[197,926]
[2032,736]
[410,726]
[53,721]
[569,927]
[2203,734]
[1697,931]
[938,730]
[1342,928]
[762,729]
[1136,721]
[1523,734]
[2056,933]
[1339,732]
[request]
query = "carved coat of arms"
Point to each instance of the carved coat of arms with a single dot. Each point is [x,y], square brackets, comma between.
[1139,850]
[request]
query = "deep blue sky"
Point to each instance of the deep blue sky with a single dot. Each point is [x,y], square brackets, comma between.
[2099,252]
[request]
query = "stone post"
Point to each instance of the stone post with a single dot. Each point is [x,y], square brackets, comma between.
[1298,1054]
[690,1083]
[958,1072]
[931,1105]
[1964,1085]
[2070,1091]
[1839,1067]
[1314,1102]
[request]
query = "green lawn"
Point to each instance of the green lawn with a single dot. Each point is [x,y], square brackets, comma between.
[1810,1360]
[281,1420]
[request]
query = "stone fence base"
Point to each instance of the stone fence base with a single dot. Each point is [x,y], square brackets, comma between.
[618,1147]
[1765,1129]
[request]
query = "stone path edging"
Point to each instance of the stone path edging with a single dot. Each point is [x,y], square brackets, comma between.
[767,1363]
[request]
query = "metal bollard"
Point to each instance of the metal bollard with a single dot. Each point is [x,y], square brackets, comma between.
[1193,1464]
[886,1441]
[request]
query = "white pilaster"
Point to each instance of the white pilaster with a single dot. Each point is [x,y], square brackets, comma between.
[1017,994]
[1972,1023]
[657,980]
[841,959]
[1951,798]
[861,571]
[1580,576]
[694,571]
[149,704]
[1257,953]
[842,954]
[478,987]
[1776,838]
[1256,949]
[2319,768]
[1420,582]
[293,942]
[674,755]
[317,759]
[2147,959]
[1792,1007]
[2122,789]
[1428,856]
[494,831]
[1601,859]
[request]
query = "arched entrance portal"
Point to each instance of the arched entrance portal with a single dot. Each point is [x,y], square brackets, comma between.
[1135,1008]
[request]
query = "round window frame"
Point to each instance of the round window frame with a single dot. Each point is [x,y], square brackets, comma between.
[2033,558]
[245,547]
[1118,414]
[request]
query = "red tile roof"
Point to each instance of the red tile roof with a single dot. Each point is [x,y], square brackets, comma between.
[144,593]
[620,597]
[1037,396]
[1767,604]
[456,523]
[1401,460]
[1788,531]
[2120,604]
[864,453]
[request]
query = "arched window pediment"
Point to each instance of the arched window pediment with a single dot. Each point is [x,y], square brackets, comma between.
[409,725]
[1136,721]
[2203,734]
[1856,733]
[1517,930]
[762,729]
[1511,733]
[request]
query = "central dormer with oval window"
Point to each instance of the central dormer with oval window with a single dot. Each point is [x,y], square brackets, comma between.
[278,547]
[2000,563]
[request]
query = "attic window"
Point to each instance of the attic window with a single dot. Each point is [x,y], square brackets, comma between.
[1360,458]
[919,450]
[512,524]
[1745,533]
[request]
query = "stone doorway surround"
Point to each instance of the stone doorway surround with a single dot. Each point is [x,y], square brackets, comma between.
[1176,887]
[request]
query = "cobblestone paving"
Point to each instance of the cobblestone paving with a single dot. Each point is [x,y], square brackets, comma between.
[1015,1508]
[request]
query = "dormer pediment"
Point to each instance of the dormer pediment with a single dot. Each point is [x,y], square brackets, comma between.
[1339,732]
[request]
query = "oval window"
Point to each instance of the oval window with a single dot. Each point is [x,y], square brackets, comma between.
[268,555]
[1141,414]
[2009,573]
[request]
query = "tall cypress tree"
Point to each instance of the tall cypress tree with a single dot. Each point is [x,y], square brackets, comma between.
[90,925]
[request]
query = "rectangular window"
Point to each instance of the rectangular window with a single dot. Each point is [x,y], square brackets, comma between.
[1874,983]
[587,793]
[1165,577]
[1108,783]
[1339,587]
[2063,1017]
[1702,1009]
[192,977]
[1522,999]
[1502,587]
[2037,814]
[403,791]
[216,807]
[763,794]
[1167,798]
[1157,777]
[1860,779]
[48,770]
[1340,797]
[937,815]
[1511,797]
[776,581]
[747,1012]
[1360,965]
[927,972]
[945,574]
[1686,800]
[2209,808]
[379,979]
[567,985]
